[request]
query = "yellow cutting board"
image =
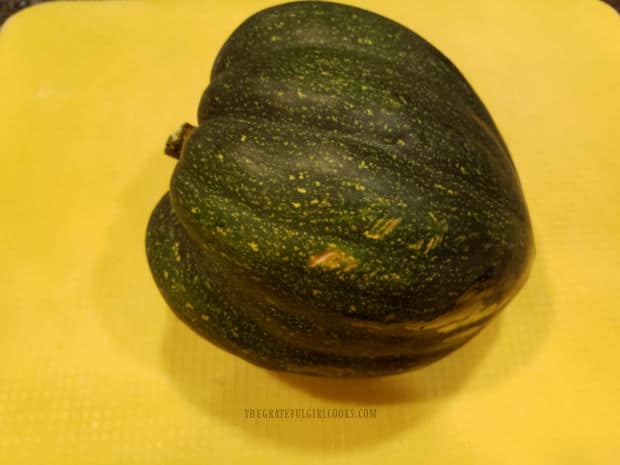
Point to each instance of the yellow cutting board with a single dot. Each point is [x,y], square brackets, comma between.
[94,369]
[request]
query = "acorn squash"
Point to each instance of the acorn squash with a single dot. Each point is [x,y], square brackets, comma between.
[345,206]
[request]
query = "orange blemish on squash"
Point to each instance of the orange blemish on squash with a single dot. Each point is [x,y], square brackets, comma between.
[332,259]
[382,228]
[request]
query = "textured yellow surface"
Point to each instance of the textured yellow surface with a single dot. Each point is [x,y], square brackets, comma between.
[95,370]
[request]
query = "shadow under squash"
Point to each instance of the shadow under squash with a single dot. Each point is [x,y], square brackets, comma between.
[224,386]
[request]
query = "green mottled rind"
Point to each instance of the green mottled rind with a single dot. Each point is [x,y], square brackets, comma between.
[197,285]
[346,205]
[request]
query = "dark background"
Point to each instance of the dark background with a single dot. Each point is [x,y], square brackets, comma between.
[8,7]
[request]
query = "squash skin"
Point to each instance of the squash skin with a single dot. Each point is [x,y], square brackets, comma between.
[346,206]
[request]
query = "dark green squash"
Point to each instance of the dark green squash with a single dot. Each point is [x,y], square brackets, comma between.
[346,205]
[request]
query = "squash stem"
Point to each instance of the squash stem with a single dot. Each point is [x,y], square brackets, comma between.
[176,140]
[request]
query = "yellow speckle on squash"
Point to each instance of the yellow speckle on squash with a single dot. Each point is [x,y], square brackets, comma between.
[175,250]
[390,277]
[253,245]
[417,245]
[432,243]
